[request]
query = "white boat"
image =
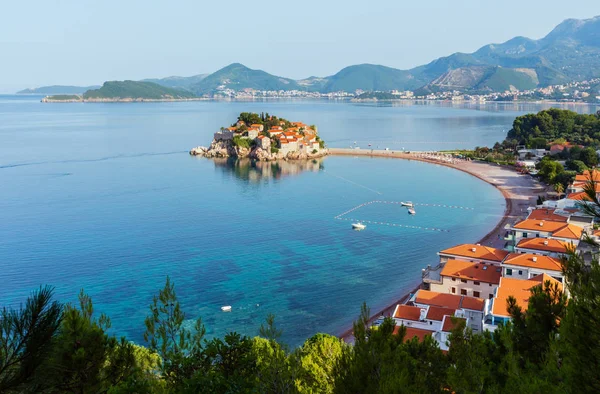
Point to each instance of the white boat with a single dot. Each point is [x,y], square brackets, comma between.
[226,308]
[411,211]
[406,204]
[358,226]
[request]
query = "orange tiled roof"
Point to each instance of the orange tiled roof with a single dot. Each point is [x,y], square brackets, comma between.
[451,322]
[407,312]
[438,299]
[257,125]
[438,313]
[481,252]
[412,332]
[473,271]
[579,196]
[546,214]
[452,301]
[585,176]
[547,226]
[527,260]
[473,303]
[519,289]
[569,231]
[544,244]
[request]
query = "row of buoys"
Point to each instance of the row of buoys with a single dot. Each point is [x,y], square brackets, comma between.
[426,205]
[396,225]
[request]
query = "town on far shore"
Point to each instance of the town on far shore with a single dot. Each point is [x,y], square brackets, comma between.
[265,137]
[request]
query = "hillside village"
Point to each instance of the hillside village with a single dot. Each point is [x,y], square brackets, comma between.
[265,137]
[480,284]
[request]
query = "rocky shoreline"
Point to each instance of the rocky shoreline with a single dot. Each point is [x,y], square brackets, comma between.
[226,148]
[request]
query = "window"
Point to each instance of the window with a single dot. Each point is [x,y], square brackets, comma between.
[463,291]
[476,283]
[490,284]
[509,271]
[491,296]
[524,235]
[537,235]
[476,294]
[463,280]
[453,279]
[520,272]
[454,290]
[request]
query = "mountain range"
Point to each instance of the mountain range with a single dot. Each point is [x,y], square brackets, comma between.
[570,52]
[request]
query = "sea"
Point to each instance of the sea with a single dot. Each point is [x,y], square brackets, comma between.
[104,197]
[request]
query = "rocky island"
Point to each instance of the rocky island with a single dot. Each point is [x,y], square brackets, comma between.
[264,137]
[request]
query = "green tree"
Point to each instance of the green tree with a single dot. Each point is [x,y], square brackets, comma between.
[589,157]
[25,339]
[170,339]
[85,359]
[317,358]
[576,165]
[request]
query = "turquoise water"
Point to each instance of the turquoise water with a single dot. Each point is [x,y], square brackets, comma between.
[105,197]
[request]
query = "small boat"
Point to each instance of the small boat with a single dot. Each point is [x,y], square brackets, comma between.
[358,226]
[411,211]
[406,204]
[226,308]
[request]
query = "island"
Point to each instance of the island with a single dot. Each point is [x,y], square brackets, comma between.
[126,91]
[265,137]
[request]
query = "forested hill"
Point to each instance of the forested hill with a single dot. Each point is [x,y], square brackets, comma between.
[555,124]
[136,90]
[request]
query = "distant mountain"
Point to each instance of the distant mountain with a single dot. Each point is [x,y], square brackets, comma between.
[236,76]
[58,89]
[372,77]
[178,82]
[136,90]
[570,52]
[483,79]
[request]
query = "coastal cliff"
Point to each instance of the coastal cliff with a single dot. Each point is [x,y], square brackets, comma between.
[226,148]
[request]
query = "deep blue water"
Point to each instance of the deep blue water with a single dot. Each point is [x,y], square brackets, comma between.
[105,197]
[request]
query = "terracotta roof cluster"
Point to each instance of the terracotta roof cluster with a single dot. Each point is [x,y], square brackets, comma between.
[472,271]
[477,252]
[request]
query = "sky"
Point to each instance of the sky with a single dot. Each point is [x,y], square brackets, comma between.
[86,42]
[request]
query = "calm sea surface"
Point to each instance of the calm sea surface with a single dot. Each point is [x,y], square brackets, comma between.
[104,197]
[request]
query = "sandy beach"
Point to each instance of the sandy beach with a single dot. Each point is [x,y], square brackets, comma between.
[520,192]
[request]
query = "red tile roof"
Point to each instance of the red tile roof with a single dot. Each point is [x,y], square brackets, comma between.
[477,252]
[473,271]
[519,289]
[539,225]
[438,313]
[546,214]
[407,312]
[452,301]
[543,244]
[412,332]
[451,322]
[527,260]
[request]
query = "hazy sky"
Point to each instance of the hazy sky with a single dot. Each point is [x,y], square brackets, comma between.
[84,42]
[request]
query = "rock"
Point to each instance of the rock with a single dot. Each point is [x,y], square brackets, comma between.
[198,151]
